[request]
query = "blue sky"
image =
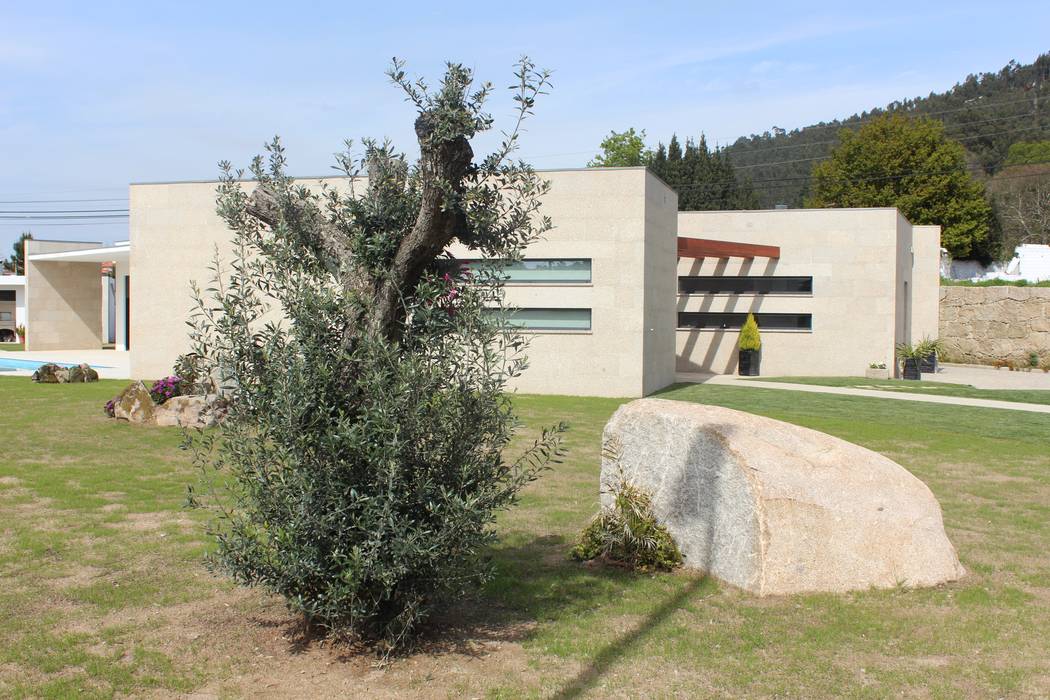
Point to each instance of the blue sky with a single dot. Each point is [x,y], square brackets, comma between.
[96,95]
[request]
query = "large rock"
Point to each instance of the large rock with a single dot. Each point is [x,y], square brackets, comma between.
[47,373]
[134,404]
[775,508]
[187,412]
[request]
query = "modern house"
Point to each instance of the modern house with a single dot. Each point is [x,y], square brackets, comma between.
[625,294]
[12,306]
[68,300]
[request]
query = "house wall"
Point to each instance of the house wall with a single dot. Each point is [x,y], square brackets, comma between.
[62,299]
[623,219]
[852,256]
[926,281]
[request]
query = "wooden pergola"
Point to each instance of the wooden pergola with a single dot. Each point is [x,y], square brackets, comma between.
[707,248]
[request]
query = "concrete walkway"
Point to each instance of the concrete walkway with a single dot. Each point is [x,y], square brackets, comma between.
[110,364]
[733,380]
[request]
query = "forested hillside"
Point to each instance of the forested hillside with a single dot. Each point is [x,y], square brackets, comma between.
[986,113]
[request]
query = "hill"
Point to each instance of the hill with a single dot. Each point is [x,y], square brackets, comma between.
[987,113]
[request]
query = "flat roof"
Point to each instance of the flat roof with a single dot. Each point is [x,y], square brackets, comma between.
[347,177]
[114,253]
[12,280]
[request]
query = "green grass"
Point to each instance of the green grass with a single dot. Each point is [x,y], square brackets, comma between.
[12,347]
[946,282]
[1039,396]
[104,593]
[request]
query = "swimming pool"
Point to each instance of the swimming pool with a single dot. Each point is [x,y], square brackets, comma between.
[9,364]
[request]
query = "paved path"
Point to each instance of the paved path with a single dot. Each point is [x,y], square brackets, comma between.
[733,380]
[984,377]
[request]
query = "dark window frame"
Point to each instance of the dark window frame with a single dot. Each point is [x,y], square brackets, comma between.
[733,320]
[761,285]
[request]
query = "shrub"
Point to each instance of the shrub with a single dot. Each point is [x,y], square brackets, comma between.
[627,533]
[366,435]
[750,339]
[1033,359]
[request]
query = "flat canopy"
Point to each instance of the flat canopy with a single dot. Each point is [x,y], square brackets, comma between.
[115,253]
[707,248]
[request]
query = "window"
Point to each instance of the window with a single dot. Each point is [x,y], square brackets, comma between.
[543,270]
[7,295]
[551,319]
[745,285]
[5,315]
[723,321]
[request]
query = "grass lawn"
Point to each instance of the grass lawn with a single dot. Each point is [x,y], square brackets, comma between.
[12,347]
[1041,396]
[104,593]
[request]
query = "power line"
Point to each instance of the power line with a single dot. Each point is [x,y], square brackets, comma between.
[61,211]
[6,217]
[60,201]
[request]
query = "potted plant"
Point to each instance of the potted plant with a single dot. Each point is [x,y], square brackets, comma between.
[910,356]
[877,370]
[929,349]
[20,331]
[750,348]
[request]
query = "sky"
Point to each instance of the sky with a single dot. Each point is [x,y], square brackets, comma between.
[94,96]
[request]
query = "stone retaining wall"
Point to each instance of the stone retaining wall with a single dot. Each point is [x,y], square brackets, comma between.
[985,324]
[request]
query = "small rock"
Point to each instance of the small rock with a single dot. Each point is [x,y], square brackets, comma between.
[193,411]
[134,404]
[47,374]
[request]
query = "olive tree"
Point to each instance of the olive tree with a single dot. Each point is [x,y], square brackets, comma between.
[364,454]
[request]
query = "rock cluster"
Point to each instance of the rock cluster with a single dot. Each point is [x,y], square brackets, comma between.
[775,508]
[57,374]
[135,405]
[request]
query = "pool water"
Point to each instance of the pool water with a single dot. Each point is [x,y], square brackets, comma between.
[8,364]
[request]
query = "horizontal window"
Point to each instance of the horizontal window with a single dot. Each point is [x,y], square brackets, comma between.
[542,270]
[7,295]
[714,320]
[5,315]
[551,319]
[745,285]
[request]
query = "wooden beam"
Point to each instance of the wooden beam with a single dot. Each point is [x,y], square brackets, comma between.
[707,248]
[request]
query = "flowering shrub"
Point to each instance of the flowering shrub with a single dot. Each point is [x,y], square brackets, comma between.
[164,389]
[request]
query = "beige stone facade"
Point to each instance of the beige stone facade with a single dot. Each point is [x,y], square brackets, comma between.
[616,324]
[873,284]
[986,324]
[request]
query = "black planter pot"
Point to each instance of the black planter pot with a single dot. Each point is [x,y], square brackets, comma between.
[911,369]
[749,363]
[928,363]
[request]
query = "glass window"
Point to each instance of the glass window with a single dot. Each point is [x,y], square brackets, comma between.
[5,315]
[544,270]
[724,321]
[551,319]
[7,295]
[745,285]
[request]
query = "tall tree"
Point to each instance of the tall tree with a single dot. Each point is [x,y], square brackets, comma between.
[908,163]
[621,150]
[17,262]
[703,179]
[362,460]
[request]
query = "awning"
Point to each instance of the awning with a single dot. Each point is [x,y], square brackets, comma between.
[707,248]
